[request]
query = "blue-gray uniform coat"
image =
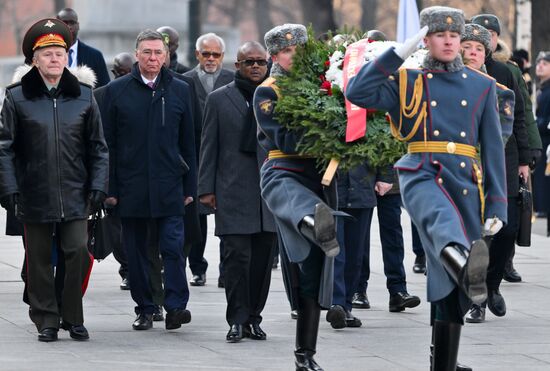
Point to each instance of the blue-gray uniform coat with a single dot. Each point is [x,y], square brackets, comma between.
[291,187]
[440,190]
[228,172]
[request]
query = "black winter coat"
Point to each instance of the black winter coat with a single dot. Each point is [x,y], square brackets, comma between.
[151,142]
[517,150]
[52,149]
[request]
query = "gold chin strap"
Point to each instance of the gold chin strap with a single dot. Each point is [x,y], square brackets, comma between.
[410,110]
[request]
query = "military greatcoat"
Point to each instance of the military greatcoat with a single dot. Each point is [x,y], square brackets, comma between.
[446,191]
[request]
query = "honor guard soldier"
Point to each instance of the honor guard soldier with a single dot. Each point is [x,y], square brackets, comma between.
[291,187]
[444,111]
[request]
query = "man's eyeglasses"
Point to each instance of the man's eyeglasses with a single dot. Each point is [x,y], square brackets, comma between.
[211,54]
[250,62]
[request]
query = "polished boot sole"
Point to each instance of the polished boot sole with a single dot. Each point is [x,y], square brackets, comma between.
[325,230]
[476,272]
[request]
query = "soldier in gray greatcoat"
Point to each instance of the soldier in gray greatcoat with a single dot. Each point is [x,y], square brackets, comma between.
[444,111]
[291,187]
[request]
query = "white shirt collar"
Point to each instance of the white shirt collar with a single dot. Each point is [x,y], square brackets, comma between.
[74,48]
[147,81]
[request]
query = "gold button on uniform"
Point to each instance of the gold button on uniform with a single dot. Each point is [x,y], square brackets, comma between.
[464,75]
[436,133]
[390,77]
[464,191]
[463,164]
[434,103]
[429,75]
[451,147]
[463,134]
[440,181]
[463,103]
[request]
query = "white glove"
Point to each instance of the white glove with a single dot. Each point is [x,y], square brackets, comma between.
[492,226]
[410,45]
[548,153]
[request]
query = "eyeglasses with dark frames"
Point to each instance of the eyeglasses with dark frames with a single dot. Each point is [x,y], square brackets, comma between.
[211,54]
[250,62]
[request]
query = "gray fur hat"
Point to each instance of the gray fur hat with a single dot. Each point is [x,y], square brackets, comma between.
[475,32]
[543,55]
[442,18]
[283,36]
[489,21]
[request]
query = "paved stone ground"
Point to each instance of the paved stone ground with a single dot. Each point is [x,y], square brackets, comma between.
[387,341]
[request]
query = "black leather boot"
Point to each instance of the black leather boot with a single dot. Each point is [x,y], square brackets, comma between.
[320,229]
[468,268]
[459,367]
[446,338]
[307,327]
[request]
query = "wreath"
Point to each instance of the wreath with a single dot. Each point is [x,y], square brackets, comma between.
[312,102]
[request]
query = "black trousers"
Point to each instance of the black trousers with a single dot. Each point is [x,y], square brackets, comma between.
[247,265]
[118,250]
[502,246]
[72,239]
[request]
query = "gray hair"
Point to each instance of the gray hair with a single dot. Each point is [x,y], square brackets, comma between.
[149,34]
[209,36]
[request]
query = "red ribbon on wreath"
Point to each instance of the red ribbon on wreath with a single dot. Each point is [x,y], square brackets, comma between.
[357,116]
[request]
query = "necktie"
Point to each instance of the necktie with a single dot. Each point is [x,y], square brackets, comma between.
[71,57]
[151,84]
[52,92]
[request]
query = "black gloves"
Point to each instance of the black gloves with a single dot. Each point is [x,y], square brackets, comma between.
[95,199]
[535,156]
[8,202]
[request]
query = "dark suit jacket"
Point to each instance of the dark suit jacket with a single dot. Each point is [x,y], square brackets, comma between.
[228,172]
[224,78]
[93,58]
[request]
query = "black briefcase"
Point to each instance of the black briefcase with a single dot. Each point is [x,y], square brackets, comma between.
[525,210]
[103,235]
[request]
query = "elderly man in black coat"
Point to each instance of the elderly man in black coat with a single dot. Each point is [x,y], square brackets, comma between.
[149,130]
[229,182]
[53,172]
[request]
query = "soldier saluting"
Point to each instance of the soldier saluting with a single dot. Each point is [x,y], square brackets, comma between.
[444,111]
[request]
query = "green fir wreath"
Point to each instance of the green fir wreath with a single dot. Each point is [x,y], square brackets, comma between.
[312,106]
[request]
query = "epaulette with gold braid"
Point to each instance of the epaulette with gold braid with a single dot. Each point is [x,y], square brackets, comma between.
[270,83]
[481,73]
[503,87]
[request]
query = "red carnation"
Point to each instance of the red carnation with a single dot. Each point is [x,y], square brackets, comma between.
[326,86]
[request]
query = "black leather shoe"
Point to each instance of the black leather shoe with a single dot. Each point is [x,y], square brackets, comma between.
[512,276]
[476,314]
[360,300]
[294,314]
[336,316]
[158,314]
[419,264]
[143,322]
[401,300]
[460,367]
[496,303]
[235,334]
[47,335]
[125,284]
[78,332]
[177,317]
[352,321]
[254,332]
[221,283]
[198,280]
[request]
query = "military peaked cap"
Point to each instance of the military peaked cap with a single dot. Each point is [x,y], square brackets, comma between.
[283,36]
[46,32]
[442,18]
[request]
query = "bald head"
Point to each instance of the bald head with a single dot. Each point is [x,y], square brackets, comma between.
[173,37]
[70,18]
[122,64]
[248,47]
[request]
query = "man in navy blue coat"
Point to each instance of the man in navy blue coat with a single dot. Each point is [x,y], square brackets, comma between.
[150,134]
[82,54]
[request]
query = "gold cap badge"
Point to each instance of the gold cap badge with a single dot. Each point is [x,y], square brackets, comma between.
[449,20]
[288,36]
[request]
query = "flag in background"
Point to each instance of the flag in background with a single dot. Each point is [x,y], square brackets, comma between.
[408,21]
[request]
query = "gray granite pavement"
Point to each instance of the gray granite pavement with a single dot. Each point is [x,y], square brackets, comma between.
[387,341]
